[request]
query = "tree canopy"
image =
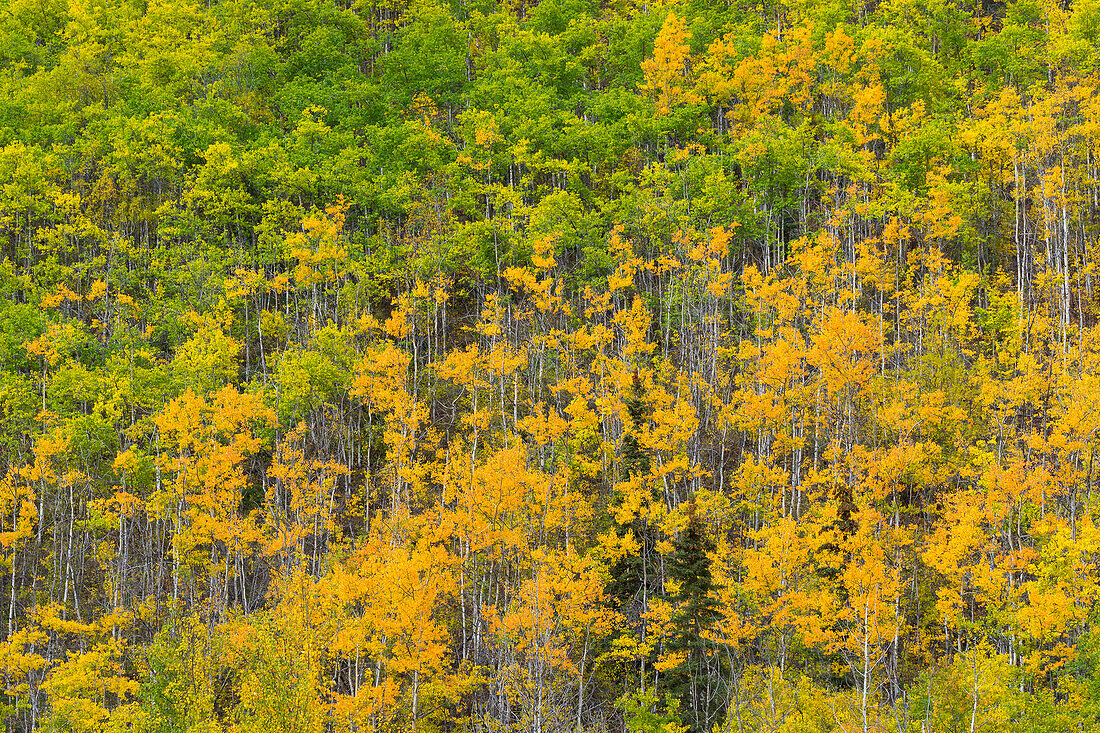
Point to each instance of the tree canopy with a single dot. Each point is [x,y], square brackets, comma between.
[549,366]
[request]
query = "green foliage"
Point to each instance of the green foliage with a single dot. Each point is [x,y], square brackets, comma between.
[644,713]
[206,362]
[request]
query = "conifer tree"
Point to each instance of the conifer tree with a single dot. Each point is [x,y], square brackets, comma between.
[633,576]
[689,571]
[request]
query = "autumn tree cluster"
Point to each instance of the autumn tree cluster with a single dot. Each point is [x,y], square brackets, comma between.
[508,366]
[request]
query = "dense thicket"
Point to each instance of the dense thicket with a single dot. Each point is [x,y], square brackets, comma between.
[551,366]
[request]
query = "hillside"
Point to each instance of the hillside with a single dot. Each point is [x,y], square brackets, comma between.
[503,367]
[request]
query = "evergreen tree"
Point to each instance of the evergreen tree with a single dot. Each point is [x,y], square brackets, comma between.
[688,568]
[633,576]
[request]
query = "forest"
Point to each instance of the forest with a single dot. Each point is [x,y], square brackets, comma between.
[549,366]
